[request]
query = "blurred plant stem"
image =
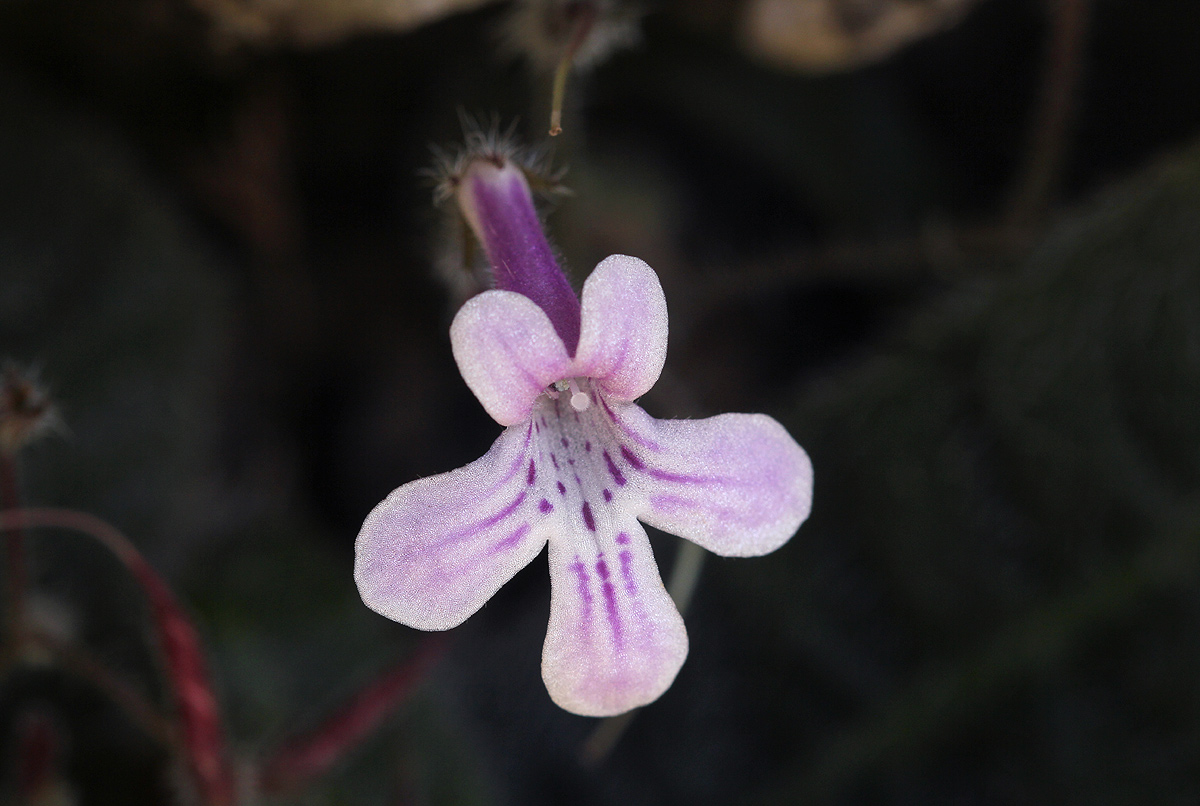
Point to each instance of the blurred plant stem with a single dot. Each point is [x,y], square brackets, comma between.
[942,698]
[197,731]
[312,754]
[1037,182]
[86,666]
[14,552]
[685,575]
[938,250]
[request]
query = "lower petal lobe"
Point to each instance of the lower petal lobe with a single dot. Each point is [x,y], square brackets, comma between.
[615,640]
[437,548]
[736,484]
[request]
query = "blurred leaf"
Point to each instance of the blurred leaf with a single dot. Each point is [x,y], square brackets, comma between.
[313,23]
[821,36]
[1002,500]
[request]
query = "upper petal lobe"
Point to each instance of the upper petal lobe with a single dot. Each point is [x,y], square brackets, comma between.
[623,341]
[507,352]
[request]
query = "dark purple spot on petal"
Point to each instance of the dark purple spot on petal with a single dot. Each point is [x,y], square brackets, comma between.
[545,506]
[564,442]
[613,470]
[532,474]
[587,446]
[570,461]
[631,457]
[562,490]
[602,568]
[607,495]
[588,520]
[622,538]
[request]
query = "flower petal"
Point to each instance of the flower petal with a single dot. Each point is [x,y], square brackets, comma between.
[615,640]
[507,352]
[737,484]
[437,548]
[623,341]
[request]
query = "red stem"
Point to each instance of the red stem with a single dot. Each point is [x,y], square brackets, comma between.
[199,716]
[312,754]
[14,549]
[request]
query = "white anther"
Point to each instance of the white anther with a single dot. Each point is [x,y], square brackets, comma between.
[579,400]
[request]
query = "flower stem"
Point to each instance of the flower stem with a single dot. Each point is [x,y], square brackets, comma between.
[200,731]
[90,668]
[585,19]
[312,754]
[1049,132]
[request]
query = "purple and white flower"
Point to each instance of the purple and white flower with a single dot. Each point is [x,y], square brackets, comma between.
[579,466]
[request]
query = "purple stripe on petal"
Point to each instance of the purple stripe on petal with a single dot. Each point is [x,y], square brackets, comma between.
[512,539]
[613,470]
[490,521]
[607,495]
[554,459]
[625,429]
[532,473]
[545,506]
[587,446]
[564,442]
[627,572]
[588,520]
[562,489]
[512,470]
[672,503]
[610,602]
[632,458]
[585,594]
[682,478]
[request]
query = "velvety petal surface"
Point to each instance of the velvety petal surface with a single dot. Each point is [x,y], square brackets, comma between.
[623,340]
[437,548]
[737,484]
[507,352]
[615,640]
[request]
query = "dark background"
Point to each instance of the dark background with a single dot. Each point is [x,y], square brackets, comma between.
[222,259]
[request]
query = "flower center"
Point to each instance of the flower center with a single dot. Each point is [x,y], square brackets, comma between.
[579,400]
